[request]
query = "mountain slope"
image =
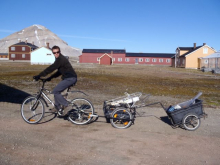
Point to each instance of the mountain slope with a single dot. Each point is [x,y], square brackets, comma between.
[40,35]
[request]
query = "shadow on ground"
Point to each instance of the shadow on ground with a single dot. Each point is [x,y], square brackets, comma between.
[12,95]
[166,120]
[48,116]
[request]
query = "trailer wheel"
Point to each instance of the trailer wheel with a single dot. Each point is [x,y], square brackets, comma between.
[121,118]
[191,122]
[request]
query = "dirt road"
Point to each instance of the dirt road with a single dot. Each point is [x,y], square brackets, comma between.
[150,141]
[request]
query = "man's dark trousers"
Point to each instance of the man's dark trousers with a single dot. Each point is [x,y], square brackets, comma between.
[64,84]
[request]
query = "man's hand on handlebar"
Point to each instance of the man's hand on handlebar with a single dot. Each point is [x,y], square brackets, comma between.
[37,77]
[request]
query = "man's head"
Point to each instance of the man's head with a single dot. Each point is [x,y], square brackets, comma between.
[56,51]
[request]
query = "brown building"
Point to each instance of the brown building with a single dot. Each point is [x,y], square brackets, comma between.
[21,51]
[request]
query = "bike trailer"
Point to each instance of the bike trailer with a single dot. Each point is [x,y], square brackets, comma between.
[177,115]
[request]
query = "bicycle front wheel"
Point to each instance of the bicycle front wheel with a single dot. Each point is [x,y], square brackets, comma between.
[32,110]
[121,118]
[81,111]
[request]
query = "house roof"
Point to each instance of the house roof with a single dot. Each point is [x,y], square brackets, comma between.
[28,44]
[164,55]
[214,55]
[186,48]
[3,53]
[106,55]
[191,49]
[42,47]
[103,50]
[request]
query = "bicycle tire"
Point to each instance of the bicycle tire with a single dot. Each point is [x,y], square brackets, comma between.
[30,114]
[191,122]
[80,112]
[121,118]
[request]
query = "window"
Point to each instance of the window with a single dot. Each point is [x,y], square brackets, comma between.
[167,60]
[127,59]
[206,61]
[154,60]
[23,48]
[119,59]
[98,58]
[140,59]
[12,48]
[160,60]
[12,55]
[113,59]
[147,60]
[205,50]
[23,55]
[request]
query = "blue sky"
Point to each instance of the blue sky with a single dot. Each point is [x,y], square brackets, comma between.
[150,26]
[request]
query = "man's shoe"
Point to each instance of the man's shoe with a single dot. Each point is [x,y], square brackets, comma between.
[64,110]
[61,112]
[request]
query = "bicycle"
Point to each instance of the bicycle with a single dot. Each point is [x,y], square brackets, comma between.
[33,107]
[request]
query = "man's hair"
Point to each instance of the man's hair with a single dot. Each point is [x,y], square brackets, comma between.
[56,47]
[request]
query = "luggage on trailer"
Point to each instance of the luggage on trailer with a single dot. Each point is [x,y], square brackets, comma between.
[184,104]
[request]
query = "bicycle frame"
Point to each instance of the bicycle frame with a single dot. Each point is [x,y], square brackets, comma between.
[42,95]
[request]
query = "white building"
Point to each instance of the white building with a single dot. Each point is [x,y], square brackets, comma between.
[42,56]
[212,61]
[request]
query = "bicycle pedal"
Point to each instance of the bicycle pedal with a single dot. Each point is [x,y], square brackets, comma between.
[60,112]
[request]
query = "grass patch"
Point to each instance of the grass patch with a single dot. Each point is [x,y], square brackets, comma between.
[115,80]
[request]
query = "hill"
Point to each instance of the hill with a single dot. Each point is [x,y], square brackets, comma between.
[39,35]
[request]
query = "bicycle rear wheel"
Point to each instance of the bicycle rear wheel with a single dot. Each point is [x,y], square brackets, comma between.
[32,110]
[121,118]
[81,111]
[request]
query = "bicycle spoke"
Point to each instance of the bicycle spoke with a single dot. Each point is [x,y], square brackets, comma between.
[81,110]
[29,114]
[121,118]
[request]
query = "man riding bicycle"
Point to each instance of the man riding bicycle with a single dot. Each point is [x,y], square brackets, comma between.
[69,77]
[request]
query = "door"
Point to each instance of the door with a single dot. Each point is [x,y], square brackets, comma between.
[136,60]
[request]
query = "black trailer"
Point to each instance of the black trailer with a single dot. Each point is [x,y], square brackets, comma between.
[121,112]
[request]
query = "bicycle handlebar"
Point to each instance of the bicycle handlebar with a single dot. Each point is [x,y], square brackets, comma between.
[42,79]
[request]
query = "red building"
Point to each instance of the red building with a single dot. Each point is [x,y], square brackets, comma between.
[149,58]
[105,59]
[94,55]
[119,56]
[21,51]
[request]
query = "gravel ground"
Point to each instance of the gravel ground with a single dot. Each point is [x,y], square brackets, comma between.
[149,141]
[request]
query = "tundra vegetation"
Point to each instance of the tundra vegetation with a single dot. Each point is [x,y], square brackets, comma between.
[159,81]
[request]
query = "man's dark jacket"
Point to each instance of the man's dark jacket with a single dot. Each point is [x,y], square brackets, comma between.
[64,68]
